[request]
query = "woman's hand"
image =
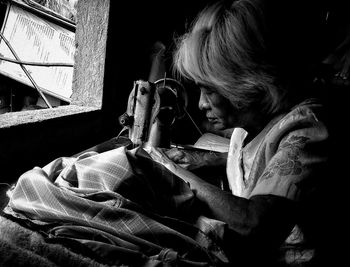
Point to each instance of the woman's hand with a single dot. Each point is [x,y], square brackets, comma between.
[194,159]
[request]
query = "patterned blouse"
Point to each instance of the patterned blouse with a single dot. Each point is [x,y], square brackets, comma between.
[286,159]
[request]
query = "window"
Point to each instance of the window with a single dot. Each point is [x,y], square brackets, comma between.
[38,32]
[44,45]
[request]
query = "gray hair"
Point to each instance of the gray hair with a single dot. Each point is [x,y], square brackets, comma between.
[228,50]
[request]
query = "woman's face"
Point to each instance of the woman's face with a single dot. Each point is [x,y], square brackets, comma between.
[219,111]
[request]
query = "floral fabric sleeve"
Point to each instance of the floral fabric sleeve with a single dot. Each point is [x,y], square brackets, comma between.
[297,163]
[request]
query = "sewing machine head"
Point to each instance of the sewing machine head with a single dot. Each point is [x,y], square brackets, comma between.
[152,109]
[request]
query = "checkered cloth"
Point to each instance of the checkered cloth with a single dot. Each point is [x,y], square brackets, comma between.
[122,205]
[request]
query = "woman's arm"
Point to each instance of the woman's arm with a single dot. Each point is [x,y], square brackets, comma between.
[262,215]
[264,218]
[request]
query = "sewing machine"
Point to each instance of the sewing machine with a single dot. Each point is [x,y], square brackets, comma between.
[151,110]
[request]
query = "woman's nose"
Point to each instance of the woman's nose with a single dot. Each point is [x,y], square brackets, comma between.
[203,102]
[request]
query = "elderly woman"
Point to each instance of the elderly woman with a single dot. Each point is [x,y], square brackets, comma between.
[251,61]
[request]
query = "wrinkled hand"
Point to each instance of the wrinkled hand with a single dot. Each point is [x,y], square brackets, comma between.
[193,159]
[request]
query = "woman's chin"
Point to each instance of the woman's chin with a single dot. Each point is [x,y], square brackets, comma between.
[217,126]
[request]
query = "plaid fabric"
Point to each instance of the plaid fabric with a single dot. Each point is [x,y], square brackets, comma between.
[123,206]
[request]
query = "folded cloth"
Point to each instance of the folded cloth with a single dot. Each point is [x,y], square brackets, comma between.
[121,200]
